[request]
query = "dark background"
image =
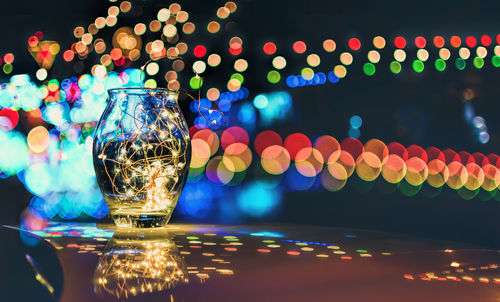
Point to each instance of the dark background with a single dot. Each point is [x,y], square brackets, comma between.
[424,109]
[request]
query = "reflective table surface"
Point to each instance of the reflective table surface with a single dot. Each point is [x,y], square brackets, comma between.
[89,262]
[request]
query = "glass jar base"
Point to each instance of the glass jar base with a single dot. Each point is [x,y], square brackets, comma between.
[140,220]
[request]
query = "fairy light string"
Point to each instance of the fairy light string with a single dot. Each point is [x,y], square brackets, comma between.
[147,153]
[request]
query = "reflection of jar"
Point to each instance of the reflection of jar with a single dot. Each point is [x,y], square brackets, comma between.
[132,264]
[141,155]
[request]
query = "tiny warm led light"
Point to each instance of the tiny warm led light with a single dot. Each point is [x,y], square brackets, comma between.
[113,11]
[481,52]
[235,42]
[491,177]
[313,60]
[457,175]
[393,169]
[231,6]
[8,58]
[199,67]
[444,53]
[80,47]
[172,52]
[175,85]
[200,154]
[223,12]
[213,94]
[464,53]
[240,65]
[455,264]
[100,22]
[38,139]
[238,77]
[213,27]
[214,60]
[188,28]
[170,76]
[329,45]
[93,29]
[68,55]
[373,56]
[379,42]
[139,29]
[340,71]
[116,53]
[78,32]
[152,68]
[233,85]
[157,46]
[154,25]
[182,48]
[150,83]
[53,49]
[106,60]
[346,58]
[111,21]
[279,62]
[99,71]
[309,161]
[41,74]
[174,8]
[182,17]
[87,38]
[438,41]
[497,50]
[99,46]
[275,159]
[125,6]
[399,55]
[299,47]
[422,55]
[368,166]
[455,41]
[163,15]
[169,30]
[307,73]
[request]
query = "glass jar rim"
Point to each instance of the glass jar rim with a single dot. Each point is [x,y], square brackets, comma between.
[143,88]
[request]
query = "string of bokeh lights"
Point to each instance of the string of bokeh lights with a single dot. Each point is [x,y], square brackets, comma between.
[335,162]
[373,57]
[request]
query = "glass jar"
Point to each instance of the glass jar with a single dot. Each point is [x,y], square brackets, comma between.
[141,155]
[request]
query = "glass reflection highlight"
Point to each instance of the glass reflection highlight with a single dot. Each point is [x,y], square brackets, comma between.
[134,263]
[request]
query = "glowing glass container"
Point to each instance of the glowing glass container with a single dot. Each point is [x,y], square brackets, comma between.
[141,153]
